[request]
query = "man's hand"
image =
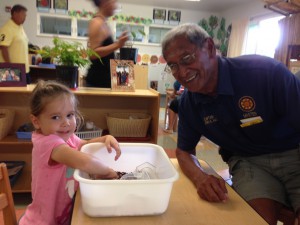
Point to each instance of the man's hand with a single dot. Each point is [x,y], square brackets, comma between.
[212,189]
[209,187]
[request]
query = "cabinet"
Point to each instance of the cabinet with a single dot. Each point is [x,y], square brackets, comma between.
[61,25]
[72,27]
[137,29]
[154,33]
[94,104]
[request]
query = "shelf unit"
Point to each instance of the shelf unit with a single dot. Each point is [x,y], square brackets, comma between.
[94,104]
[64,26]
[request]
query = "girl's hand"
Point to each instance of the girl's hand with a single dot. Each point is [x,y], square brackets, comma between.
[110,142]
[110,175]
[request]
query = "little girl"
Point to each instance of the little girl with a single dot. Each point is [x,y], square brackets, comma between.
[55,154]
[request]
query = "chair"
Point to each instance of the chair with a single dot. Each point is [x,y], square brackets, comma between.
[286,215]
[6,198]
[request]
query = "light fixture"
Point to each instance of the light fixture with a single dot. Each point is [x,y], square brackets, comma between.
[192,0]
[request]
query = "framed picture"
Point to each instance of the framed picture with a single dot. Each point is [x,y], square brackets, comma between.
[61,5]
[174,16]
[46,4]
[159,15]
[12,75]
[122,75]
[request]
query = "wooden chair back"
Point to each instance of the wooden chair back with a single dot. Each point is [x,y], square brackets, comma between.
[6,197]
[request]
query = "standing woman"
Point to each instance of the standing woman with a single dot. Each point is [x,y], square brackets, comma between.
[101,41]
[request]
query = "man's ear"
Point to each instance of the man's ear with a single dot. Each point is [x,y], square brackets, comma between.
[211,48]
[35,121]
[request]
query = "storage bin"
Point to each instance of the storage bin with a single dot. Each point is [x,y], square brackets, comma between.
[6,121]
[24,135]
[106,198]
[128,124]
[25,131]
[86,135]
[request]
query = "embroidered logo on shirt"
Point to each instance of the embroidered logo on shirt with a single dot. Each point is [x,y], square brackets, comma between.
[210,119]
[2,37]
[247,104]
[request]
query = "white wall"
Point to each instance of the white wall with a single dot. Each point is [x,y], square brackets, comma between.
[249,10]
[30,24]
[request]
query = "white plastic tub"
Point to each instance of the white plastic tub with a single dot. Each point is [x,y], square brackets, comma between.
[105,198]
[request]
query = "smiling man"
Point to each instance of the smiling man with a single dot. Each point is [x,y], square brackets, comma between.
[250,107]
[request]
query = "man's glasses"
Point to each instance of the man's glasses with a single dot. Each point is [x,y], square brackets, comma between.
[184,61]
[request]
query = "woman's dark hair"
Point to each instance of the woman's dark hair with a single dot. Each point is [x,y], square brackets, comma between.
[97,2]
[17,8]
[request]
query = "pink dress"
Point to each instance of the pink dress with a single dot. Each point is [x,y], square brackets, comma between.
[53,185]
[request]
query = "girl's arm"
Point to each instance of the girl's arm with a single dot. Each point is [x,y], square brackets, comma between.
[87,162]
[110,143]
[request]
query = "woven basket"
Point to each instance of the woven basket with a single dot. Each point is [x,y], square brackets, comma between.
[128,124]
[6,121]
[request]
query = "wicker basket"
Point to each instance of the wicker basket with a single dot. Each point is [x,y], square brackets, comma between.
[6,121]
[128,124]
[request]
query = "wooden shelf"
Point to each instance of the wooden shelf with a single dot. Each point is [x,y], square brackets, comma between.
[23,183]
[94,104]
[12,139]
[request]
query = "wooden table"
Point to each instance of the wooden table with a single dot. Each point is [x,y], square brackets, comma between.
[185,207]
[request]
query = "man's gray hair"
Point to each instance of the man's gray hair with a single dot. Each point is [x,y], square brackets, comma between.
[191,31]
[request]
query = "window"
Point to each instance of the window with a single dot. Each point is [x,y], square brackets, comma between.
[156,34]
[54,25]
[121,27]
[82,28]
[263,37]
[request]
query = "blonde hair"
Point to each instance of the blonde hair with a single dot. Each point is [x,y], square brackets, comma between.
[45,91]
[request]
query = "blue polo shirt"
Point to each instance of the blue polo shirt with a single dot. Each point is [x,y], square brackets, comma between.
[256,110]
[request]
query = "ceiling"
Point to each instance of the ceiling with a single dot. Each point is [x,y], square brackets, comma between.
[203,5]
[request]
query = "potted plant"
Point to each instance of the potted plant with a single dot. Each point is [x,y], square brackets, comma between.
[128,52]
[68,56]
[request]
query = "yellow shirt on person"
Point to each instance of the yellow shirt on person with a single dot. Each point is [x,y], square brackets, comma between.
[14,37]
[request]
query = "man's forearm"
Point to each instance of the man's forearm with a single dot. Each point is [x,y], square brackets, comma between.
[189,165]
